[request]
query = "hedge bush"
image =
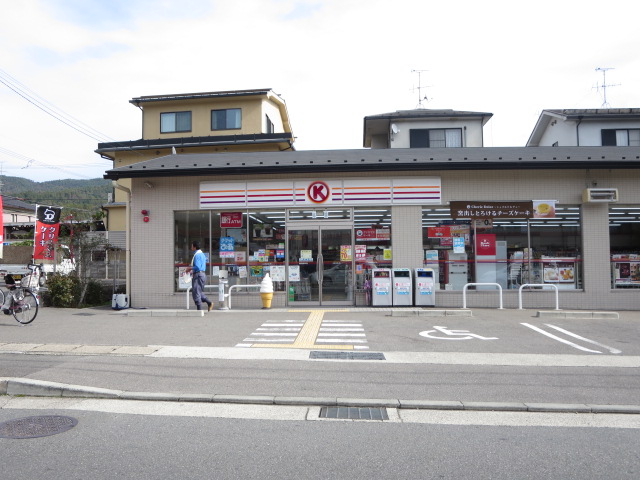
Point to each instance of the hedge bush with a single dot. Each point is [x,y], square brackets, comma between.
[64,290]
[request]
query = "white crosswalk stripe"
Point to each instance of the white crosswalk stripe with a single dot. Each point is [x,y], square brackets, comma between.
[331,332]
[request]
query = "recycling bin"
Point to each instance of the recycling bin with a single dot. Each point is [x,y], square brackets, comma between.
[381,287]
[425,287]
[402,287]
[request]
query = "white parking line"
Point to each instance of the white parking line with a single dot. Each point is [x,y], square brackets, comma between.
[615,351]
[550,335]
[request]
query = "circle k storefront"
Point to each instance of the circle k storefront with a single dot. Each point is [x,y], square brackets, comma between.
[318,239]
[320,222]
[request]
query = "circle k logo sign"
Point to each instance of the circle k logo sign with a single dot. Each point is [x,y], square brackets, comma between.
[318,192]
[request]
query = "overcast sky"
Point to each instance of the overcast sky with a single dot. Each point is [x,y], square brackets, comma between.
[332,61]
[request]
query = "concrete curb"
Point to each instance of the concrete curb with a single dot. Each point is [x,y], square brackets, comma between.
[555,314]
[431,313]
[41,388]
[165,313]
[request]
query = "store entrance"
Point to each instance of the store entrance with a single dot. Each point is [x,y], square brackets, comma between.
[320,264]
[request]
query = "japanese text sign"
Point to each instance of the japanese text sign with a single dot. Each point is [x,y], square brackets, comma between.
[480,210]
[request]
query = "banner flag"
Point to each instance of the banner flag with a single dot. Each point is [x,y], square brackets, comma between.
[1,226]
[46,233]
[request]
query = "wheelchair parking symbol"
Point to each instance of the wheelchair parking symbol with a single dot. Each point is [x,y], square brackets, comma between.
[452,334]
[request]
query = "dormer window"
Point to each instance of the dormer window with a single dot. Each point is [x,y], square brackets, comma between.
[172,122]
[228,119]
[435,138]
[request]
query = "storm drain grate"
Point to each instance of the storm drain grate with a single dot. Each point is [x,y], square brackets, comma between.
[321,355]
[34,427]
[354,413]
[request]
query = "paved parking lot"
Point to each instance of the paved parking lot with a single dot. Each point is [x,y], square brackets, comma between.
[484,331]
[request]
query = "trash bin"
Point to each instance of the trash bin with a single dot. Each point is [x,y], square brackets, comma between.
[425,287]
[381,287]
[402,287]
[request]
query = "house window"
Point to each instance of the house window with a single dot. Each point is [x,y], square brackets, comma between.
[269,128]
[175,122]
[435,138]
[226,119]
[620,138]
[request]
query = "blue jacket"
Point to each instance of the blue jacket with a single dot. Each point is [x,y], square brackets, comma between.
[199,262]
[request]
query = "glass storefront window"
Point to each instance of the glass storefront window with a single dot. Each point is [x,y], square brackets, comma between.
[266,252]
[372,243]
[624,236]
[189,227]
[245,244]
[453,249]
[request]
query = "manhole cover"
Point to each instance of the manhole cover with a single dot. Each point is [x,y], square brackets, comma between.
[33,427]
[328,355]
[355,413]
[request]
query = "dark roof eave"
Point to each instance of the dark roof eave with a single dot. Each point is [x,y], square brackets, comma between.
[192,142]
[192,96]
[383,167]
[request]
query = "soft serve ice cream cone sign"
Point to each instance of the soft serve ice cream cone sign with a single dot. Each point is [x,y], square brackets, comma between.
[544,209]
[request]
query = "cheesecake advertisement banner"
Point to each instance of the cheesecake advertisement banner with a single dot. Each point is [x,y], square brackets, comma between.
[46,233]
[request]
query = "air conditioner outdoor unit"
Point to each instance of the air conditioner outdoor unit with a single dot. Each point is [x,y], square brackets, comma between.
[602,195]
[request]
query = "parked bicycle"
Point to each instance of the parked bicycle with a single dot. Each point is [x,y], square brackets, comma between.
[19,300]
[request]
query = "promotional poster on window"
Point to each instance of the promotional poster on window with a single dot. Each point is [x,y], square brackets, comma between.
[626,269]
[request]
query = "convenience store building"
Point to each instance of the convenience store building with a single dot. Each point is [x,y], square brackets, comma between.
[320,221]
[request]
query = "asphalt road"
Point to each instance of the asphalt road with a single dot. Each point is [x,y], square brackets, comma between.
[176,445]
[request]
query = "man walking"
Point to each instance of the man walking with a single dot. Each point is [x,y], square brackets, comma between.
[198,268]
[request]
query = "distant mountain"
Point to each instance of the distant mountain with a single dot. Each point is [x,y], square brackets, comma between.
[83,196]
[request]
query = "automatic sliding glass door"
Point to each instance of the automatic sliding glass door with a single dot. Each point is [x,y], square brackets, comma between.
[321,265]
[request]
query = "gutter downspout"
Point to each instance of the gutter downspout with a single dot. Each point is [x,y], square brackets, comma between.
[115,184]
[578,131]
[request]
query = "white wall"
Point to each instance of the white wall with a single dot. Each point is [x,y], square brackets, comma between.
[564,132]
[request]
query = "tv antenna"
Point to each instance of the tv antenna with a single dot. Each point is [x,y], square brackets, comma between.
[604,85]
[420,88]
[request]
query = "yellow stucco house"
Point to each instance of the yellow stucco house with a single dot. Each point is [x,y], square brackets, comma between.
[211,122]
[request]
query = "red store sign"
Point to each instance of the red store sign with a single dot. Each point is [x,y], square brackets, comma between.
[485,244]
[439,232]
[231,220]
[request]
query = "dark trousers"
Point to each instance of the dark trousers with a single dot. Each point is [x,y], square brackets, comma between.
[197,289]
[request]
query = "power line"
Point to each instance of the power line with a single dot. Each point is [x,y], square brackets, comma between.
[55,112]
[31,161]
[50,109]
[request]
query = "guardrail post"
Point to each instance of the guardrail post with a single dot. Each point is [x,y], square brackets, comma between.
[543,285]
[188,293]
[464,292]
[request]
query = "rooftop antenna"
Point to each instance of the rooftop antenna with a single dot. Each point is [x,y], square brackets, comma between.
[604,85]
[420,88]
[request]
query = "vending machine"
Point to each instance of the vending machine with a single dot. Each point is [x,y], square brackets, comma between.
[381,287]
[402,287]
[456,270]
[425,287]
